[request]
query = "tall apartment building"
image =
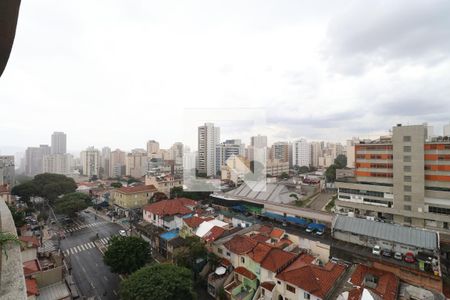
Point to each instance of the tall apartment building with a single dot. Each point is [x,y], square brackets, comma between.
[257,143]
[447,130]
[7,171]
[152,147]
[208,138]
[34,159]
[316,152]
[404,178]
[301,153]
[227,149]
[90,162]
[136,163]
[58,164]
[350,152]
[117,163]
[280,151]
[59,143]
[105,162]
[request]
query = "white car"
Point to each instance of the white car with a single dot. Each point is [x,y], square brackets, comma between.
[376,250]
[122,232]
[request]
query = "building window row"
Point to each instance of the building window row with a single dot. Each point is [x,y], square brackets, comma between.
[437,156]
[439,210]
[436,188]
[437,167]
[437,147]
[374,165]
[360,192]
[374,156]
[373,147]
[368,200]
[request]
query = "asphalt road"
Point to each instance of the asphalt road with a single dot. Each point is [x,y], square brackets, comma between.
[321,200]
[92,276]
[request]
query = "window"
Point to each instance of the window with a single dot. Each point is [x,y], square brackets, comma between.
[439,210]
[290,288]
[407,220]
[407,138]
[407,188]
[407,168]
[407,198]
[279,282]
[407,207]
[306,295]
[406,158]
[220,250]
[228,254]
[406,148]
[407,178]
[243,260]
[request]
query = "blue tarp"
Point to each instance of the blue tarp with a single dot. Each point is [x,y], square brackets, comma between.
[169,235]
[240,208]
[298,221]
[274,216]
[317,226]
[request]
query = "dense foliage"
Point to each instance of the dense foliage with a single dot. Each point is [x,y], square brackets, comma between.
[194,249]
[158,281]
[125,255]
[72,203]
[339,163]
[46,185]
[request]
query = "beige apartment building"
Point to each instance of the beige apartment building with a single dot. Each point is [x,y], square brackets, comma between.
[403,178]
[133,196]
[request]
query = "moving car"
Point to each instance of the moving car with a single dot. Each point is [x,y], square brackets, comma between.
[409,258]
[122,232]
[376,250]
[387,253]
[398,256]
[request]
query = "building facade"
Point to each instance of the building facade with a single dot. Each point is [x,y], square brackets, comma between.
[136,163]
[7,171]
[208,139]
[58,164]
[404,178]
[301,153]
[280,151]
[226,150]
[34,159]
[59,143]
[117,163]
[90,162]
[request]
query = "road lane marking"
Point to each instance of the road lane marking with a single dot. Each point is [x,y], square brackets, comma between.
[82,247]
[72,251]
[106,279]
[114,292]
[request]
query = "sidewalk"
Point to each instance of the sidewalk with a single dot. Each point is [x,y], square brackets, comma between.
[106,218]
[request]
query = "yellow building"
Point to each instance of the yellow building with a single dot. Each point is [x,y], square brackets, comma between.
[133,197]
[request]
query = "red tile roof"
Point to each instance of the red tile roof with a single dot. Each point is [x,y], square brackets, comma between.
[225,262]
[276,233]
[258,253]
[283,243]
[245,272]
[32,287]
[171,207]
[240,244]
[276,259]
[260,237]
[137,189]
[193,222]
[387,286]
[31,267]
[213,234]
[4,188]
[268,285]
[315,279]
[265,229]
[30,239]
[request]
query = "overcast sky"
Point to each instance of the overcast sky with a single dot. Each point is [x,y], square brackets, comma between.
[118,73]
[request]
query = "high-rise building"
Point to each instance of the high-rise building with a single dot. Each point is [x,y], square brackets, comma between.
[58,164]
[59,143]
[105,162]
[90,162]
[316,153]
[152,147]
[227,149]
[136,163]
[7,172]
[301,153]
[257,142]
[447,130]
[117,163]
[208,138]
[280,151]
[403,178]
[350,152]
[34,157]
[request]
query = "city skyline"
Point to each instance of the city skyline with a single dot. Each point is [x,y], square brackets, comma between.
[314,76]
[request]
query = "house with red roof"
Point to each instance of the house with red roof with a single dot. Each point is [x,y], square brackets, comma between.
[378,283]
[28,247]
[307,278]
[169,214]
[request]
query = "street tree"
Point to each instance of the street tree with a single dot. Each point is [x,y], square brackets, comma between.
[18,216]
[340,161]
[194,249]
[127,254]
[25,191]
[158,282]
[71,204]
[330,173]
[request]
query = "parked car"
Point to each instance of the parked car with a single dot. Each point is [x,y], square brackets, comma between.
[386,253]
[409,258]
[398,256]
[376,250]
[320,232]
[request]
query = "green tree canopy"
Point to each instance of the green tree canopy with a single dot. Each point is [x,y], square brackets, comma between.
[178,192]
[18,216]
[330,173]
[127,254]
[186,256]
[158,196]
[340,161]
[116,185]
[72,203]
[25,191]
[284,175]
[158,282]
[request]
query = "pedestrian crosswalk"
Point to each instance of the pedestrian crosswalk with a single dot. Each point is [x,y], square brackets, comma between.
[85,246]
[82,226]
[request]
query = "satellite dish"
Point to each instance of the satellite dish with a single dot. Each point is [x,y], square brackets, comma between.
[220,271]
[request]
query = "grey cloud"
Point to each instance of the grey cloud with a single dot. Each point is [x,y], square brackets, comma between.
[374,32]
